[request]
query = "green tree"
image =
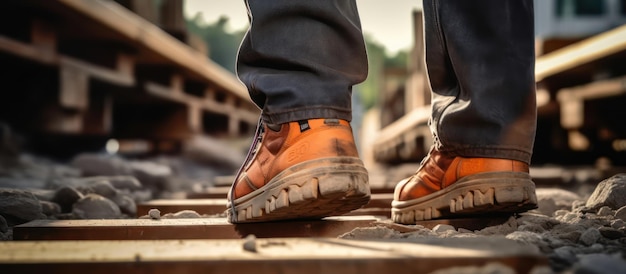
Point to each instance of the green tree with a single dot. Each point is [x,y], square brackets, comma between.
[221,43]
[378,60]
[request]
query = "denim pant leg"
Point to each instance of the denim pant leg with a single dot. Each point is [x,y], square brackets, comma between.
[480,61]
[300,58]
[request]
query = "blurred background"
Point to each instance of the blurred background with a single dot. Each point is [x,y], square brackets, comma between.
[147,88]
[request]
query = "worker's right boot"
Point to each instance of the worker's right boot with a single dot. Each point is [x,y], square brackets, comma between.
[446,187]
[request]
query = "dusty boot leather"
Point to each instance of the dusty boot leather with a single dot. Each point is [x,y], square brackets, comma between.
[446,186]
[302,169]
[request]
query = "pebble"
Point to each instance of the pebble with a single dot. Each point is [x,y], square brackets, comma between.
[610,233]
[605,211]
[600,264]
[66,197]
[186,214]
[249,243]
[94,206]
[610,192]
[440,228]
[126,203]
[617,223]
[100,187]
[19,206]
[621,213]
[50,208]
[590,236]
[154,214]
[4,227]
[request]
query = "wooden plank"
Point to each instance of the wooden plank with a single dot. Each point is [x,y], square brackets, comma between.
[202,206]
[585,51]
[151,38]
[27,51]
[288,255]
[120,78]
[201,228]
[47,57]
[572,99]
[409,121]
[381,202]
[74,88]
[209,193]
[207,104]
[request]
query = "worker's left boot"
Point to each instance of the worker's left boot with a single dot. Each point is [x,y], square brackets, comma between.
[299,170]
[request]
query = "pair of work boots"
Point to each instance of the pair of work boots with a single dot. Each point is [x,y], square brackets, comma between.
[311,169]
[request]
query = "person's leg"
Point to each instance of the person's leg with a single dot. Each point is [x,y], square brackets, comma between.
[299,61]
[480,61]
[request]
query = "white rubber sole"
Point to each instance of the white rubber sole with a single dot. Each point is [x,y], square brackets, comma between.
[309,190]
[495,192]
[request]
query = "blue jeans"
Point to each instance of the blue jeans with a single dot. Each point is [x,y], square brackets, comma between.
[300,59]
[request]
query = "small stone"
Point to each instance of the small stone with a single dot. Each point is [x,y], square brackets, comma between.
[4,226]
[126,203]
[249,243]
[605,211]
[617,223]
[100,164]
[100,187]
[124,182]
[590,236]
[578,204]
[531,228]
[186,214]
[66,197]
[43,194]
[441,228]
[154,214]
[566,253]
[50,208]
[610,233]
[570,217]
[18,206]
[600,264]
[550,200]
[621,213]
[560,213]
[610,192]
[94,206]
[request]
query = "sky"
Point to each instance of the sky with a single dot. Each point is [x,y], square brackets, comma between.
[389,22]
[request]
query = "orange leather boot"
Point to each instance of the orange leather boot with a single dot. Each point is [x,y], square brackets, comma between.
[305,169]
[446,186]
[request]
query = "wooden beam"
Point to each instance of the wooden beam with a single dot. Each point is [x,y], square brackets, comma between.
[585,51]
[218,205]
[572,99]
[26,51]
[150,37]
[73,87]
[264,256]
[200,228]
[207,104]
[107,75]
